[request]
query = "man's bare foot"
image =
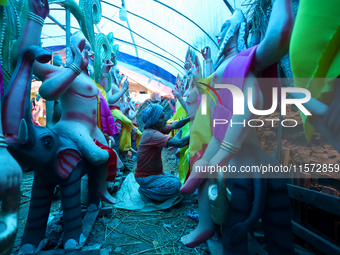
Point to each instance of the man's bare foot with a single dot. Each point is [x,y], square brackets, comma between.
[202,233]
[198,174]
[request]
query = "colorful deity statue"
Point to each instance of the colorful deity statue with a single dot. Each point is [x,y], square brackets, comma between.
[73,147]
[220,145]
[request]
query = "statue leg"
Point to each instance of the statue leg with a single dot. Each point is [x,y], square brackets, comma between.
[35,229]
[70,199]
[98,187]
[205,229]
[276,218]
[197,176]
[242,199]
[97,177]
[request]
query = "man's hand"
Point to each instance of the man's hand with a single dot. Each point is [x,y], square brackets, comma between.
[79,60]
[10,172]
[206,53]
[107,65]
[39,7]
[125,86]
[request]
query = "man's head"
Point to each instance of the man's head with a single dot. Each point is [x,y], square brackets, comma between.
[234,26]
[153,116]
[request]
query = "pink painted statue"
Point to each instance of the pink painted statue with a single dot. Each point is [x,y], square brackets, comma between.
[77,93]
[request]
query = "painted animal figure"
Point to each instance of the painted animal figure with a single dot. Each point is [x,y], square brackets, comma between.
[252,199]
[55,159]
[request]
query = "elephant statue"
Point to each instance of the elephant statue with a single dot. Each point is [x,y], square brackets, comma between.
[255,198]
[56,160]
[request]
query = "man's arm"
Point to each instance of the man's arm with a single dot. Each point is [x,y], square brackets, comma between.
[276,41]
[115,97]
[181,123]
[178,143]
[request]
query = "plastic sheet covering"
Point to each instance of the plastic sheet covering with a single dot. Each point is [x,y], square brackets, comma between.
[128,198]
[162,30]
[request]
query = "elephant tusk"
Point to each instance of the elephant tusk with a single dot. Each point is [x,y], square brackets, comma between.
[23,131]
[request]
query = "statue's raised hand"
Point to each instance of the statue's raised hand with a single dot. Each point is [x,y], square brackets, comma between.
[176,93]
[39,7]
[206,53]
[126,84]
[80,60]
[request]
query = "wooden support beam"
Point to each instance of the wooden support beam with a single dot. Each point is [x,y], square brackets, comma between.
[88,222]
[286,157]
[304,180]
[330,191]
[317,241]
[319,200]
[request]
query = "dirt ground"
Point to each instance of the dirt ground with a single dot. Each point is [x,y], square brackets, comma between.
[318,151]
[131,232]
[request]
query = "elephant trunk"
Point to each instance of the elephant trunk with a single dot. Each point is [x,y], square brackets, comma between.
[16,100]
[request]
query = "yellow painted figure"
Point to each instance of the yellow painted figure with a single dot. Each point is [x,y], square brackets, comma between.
[125,135]
[200,135]
[183,166]
[315,50]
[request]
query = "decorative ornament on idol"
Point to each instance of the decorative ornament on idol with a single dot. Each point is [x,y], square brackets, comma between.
[123,12]
[189,59]
[237,23]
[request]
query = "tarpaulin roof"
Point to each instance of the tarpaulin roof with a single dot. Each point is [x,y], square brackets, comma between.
[162,31]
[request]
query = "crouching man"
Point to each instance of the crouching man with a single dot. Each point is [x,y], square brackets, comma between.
[155,185]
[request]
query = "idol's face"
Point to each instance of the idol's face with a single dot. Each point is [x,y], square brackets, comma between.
[89,50]
[220,36]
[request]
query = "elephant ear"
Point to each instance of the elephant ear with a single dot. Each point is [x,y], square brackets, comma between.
[67,161]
